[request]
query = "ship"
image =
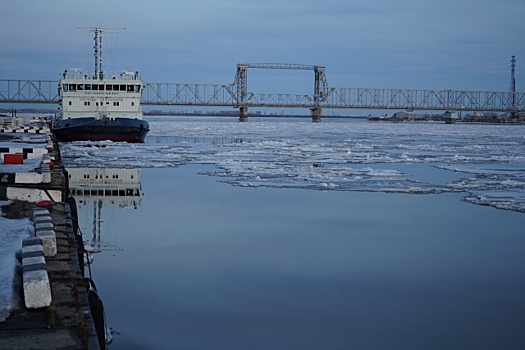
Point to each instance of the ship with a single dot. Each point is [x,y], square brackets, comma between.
[100,106]
[376,118]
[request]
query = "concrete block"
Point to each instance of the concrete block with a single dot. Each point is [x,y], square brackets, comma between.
[28,178]
[44,229]
[37,153]
[46,173]
[44,225]
[49,241]
[42,218]
[40,212]
[32,195]
[29,242]
[35,257]
[37,289]
[34,248]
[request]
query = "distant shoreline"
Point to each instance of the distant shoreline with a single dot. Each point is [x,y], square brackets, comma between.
[235,114]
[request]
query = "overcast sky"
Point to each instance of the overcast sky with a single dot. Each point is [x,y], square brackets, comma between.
[428,44]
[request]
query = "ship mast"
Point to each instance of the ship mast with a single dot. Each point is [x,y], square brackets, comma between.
[97,32]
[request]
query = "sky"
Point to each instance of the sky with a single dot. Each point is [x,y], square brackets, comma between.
[413,44]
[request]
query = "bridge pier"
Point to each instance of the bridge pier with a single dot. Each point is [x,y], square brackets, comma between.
[316,114]
[243,114]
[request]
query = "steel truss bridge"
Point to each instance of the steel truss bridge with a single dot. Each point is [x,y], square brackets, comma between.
[236,95]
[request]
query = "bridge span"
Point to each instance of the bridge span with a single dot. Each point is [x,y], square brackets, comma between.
[237,95]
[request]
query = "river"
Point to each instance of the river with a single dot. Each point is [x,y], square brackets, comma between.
[286,234]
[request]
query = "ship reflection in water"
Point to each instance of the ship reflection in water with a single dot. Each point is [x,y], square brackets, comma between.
[93,190]
[109,188]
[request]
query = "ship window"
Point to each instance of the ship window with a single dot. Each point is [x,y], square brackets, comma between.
[101,87]
[137,88]
[121,193]
[70,103]
[116,103]
[94,87]
[132,103]
[115,87]
[64,87]
[122,87]
[107,192]
[87,103]
[80,87]
[72,87]
[109,87]
[88,86]
[130,88]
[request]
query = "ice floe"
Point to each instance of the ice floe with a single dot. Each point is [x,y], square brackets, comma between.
[336,155]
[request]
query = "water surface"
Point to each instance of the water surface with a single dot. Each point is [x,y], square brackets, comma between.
[285,234]
[204,265]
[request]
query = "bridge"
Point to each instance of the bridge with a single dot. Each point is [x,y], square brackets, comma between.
[236,95]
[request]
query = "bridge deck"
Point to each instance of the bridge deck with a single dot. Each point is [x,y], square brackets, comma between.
[228,95]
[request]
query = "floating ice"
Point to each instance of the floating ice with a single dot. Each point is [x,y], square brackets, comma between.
[339,154]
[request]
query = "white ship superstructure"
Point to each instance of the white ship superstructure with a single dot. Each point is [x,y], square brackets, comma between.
[100,106]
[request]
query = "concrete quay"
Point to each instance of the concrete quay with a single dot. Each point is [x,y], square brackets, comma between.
[68,321]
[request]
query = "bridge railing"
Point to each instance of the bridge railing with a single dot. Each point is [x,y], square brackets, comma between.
[188,94]
[45,91]
[29,91]
[371,98]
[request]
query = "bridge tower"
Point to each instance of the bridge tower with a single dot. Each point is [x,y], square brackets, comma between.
[241,85]
[320,92]
[513,86]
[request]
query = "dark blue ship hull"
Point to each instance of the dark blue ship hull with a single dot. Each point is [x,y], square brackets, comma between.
[91,129]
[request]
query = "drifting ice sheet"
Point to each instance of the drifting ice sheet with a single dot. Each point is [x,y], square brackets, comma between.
[333,155]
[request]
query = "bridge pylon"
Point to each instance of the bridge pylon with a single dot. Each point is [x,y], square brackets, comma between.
[316,114]
[243,114]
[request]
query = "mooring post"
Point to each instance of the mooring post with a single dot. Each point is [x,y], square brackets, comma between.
[243,114]
[316,113]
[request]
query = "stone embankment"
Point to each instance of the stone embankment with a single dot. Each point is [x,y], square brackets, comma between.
[55,310]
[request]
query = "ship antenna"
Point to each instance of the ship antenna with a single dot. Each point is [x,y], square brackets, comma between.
[95,76]
[97,31]
[100,72]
